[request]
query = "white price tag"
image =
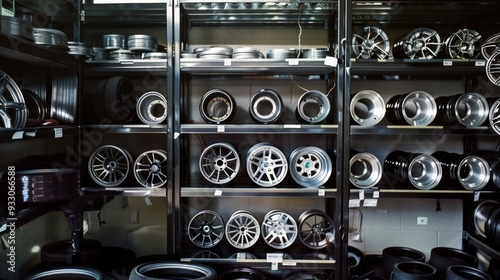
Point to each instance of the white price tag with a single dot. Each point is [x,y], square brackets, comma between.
[294,62]
[217,193]
[331,61]
[58,132]
[274,257]
[18,135]
[321,192]
[274,266]
[447,63]
[354,203]
[227,62]
[376,194]
[361,194]
[370,202]
[480,63]
[241,256]
[476,196]
[292,126]
[221,128]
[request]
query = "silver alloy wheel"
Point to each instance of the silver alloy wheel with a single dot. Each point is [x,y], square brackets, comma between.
[242,230]
[415,108]
[490,46]
[13,110]
[365,170]
[471,109]
[266,165]
[150,169]
[109,165]
[206,229]
[424,172]
[266,106]
[279,229]
[173,270]
[493,68]
[473,173]
[313,228]
[217,106]
[313,106]
[371,42]
[151,108]
[367,107]
[463,44]
[310,166]
[421,43]
[219,163]
[494,116]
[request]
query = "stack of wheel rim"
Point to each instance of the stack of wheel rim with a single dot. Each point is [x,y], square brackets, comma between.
[394,255]
[468,109]
[417,108]
[413,270]
[463,272]
[173,270]
[421,171]
[443,257]
[487,220]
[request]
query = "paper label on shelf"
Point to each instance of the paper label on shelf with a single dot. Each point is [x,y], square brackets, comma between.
[321,192]
[331,61]
[353,203]
[293,62]
[274,266]
[447,63]
[274,257]
[227,62]
[376,194]
[292,126]
[58,132]
[480,63]
[221,128]
[289,263]
[476,196]
[361,194]
[18,135]
[370,202]
[241,256]
[217,193]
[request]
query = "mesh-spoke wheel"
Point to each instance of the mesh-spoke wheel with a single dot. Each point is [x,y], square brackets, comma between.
[150,169]
[493,68]
[491,45]
[310,166]
[242,230]
[371,42]
[109,165]
[13,111]
[420,43]
[279,229]
[464,43]
[266,165]
[219,163]
[313,227]
[206,229]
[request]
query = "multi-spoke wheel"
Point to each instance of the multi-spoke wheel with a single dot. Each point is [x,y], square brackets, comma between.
[493,68]
[266,165]
[279,229]
[242,230]
[494,116]
[491,45]
[219,163]
[109,165]
[310,166]
[150,169]
[371,42]
[13,111]
[464,43]
[206,229]
[420,43]
[313,227]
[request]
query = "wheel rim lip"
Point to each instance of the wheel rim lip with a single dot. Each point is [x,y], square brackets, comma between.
[317,179]
[377,102]
[206,173]
[199,268]
[376,170]
[325,218]
[96,178]
[480,170]
[269,218]
[145,104]
[423,99]
[369,29]
[481,215]
[429,181]
[216,217]
[251,220]
[137,169]
[256,153]
[274,98]
[212,95]
[67,270]
[475,116]
[319,98]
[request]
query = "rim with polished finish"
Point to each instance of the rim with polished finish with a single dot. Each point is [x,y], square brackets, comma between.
[109,165]
[313,228]
[494,116]
[150,169]
[463,44]
[266,106]
[219,163]
[279,229]
[266,165]
[420,43]
[367,107]
[415,108]
[13,109]
[310,166]
[472,109]
[371,42]
[206,229]
[242,230]
[365,170]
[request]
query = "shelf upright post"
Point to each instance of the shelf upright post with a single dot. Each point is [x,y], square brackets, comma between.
[343,140]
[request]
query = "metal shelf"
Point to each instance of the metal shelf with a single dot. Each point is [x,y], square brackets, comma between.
[129,66]
[132,191]
[29,133]
[431,129]
[266,264]
[255,128]
[247,192]
[136,14]
[128,128]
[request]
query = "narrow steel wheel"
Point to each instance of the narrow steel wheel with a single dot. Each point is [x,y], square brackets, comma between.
[242,230]
[313,106]
[109,165]
[206,229]
[279,229]
[310,166]
[371,42]
[219,163]
[367,107]
[365,170]
[313,227]
[150,169]
[266,165]
[13,110]
[493,68]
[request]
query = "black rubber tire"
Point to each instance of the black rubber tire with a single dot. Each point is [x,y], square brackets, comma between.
[69,272]
[116,92]
[173,270]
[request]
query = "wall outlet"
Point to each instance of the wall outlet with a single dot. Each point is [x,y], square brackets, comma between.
[422,221]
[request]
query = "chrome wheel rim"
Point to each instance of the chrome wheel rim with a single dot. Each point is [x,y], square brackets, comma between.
[242,230]
[313,228]
[13,109]
[109,165]
[367,108]
[415,108]
[424,172]
[219,163]
[473,173]
[266,165]
[151,108]
[313,106]
[310,166]
[471,109]
[464,43]
[493,68]
[371,42]
[206,229]
[279,229]
[150,169]
[422,43]
[365,170]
